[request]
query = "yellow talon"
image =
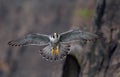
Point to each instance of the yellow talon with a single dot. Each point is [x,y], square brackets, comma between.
[52,51]
[57,50]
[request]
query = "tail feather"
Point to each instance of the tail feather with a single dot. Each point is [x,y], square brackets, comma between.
[62,53]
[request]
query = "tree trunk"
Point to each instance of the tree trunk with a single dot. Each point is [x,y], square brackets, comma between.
[100,57]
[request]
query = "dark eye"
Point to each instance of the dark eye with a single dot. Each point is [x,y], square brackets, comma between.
[53,36]
[57,35]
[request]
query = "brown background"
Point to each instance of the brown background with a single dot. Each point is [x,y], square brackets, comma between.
[21,17]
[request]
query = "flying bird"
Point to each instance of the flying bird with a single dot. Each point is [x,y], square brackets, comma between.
[56,45]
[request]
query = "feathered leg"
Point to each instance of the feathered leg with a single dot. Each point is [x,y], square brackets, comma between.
[57,50]
[52,51]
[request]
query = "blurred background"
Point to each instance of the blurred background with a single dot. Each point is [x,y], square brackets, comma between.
[21,17]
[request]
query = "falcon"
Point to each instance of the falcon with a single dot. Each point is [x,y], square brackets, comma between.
[57,46]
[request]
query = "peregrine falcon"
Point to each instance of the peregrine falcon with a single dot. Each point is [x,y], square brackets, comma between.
[57,45]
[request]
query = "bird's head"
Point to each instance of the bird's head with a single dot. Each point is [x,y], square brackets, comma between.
[55,36]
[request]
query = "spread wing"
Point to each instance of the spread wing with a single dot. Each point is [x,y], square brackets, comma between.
[31,39]
[72,35]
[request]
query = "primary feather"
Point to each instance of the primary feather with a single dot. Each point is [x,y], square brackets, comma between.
[73,35]
[31,39]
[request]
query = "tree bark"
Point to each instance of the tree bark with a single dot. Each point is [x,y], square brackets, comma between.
[100,61]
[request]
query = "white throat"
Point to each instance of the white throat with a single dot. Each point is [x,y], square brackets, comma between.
[54,40]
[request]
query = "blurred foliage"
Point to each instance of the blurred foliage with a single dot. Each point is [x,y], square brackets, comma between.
[84,13]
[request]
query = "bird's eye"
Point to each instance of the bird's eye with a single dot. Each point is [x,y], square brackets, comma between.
[53,36]
[57,35]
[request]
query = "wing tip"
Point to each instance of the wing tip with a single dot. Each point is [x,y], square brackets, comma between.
[13,43]
[10,43]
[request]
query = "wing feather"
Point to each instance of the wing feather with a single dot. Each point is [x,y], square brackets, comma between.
[31,39]
[73,35]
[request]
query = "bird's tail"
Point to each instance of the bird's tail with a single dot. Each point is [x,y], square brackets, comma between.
[64,49]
